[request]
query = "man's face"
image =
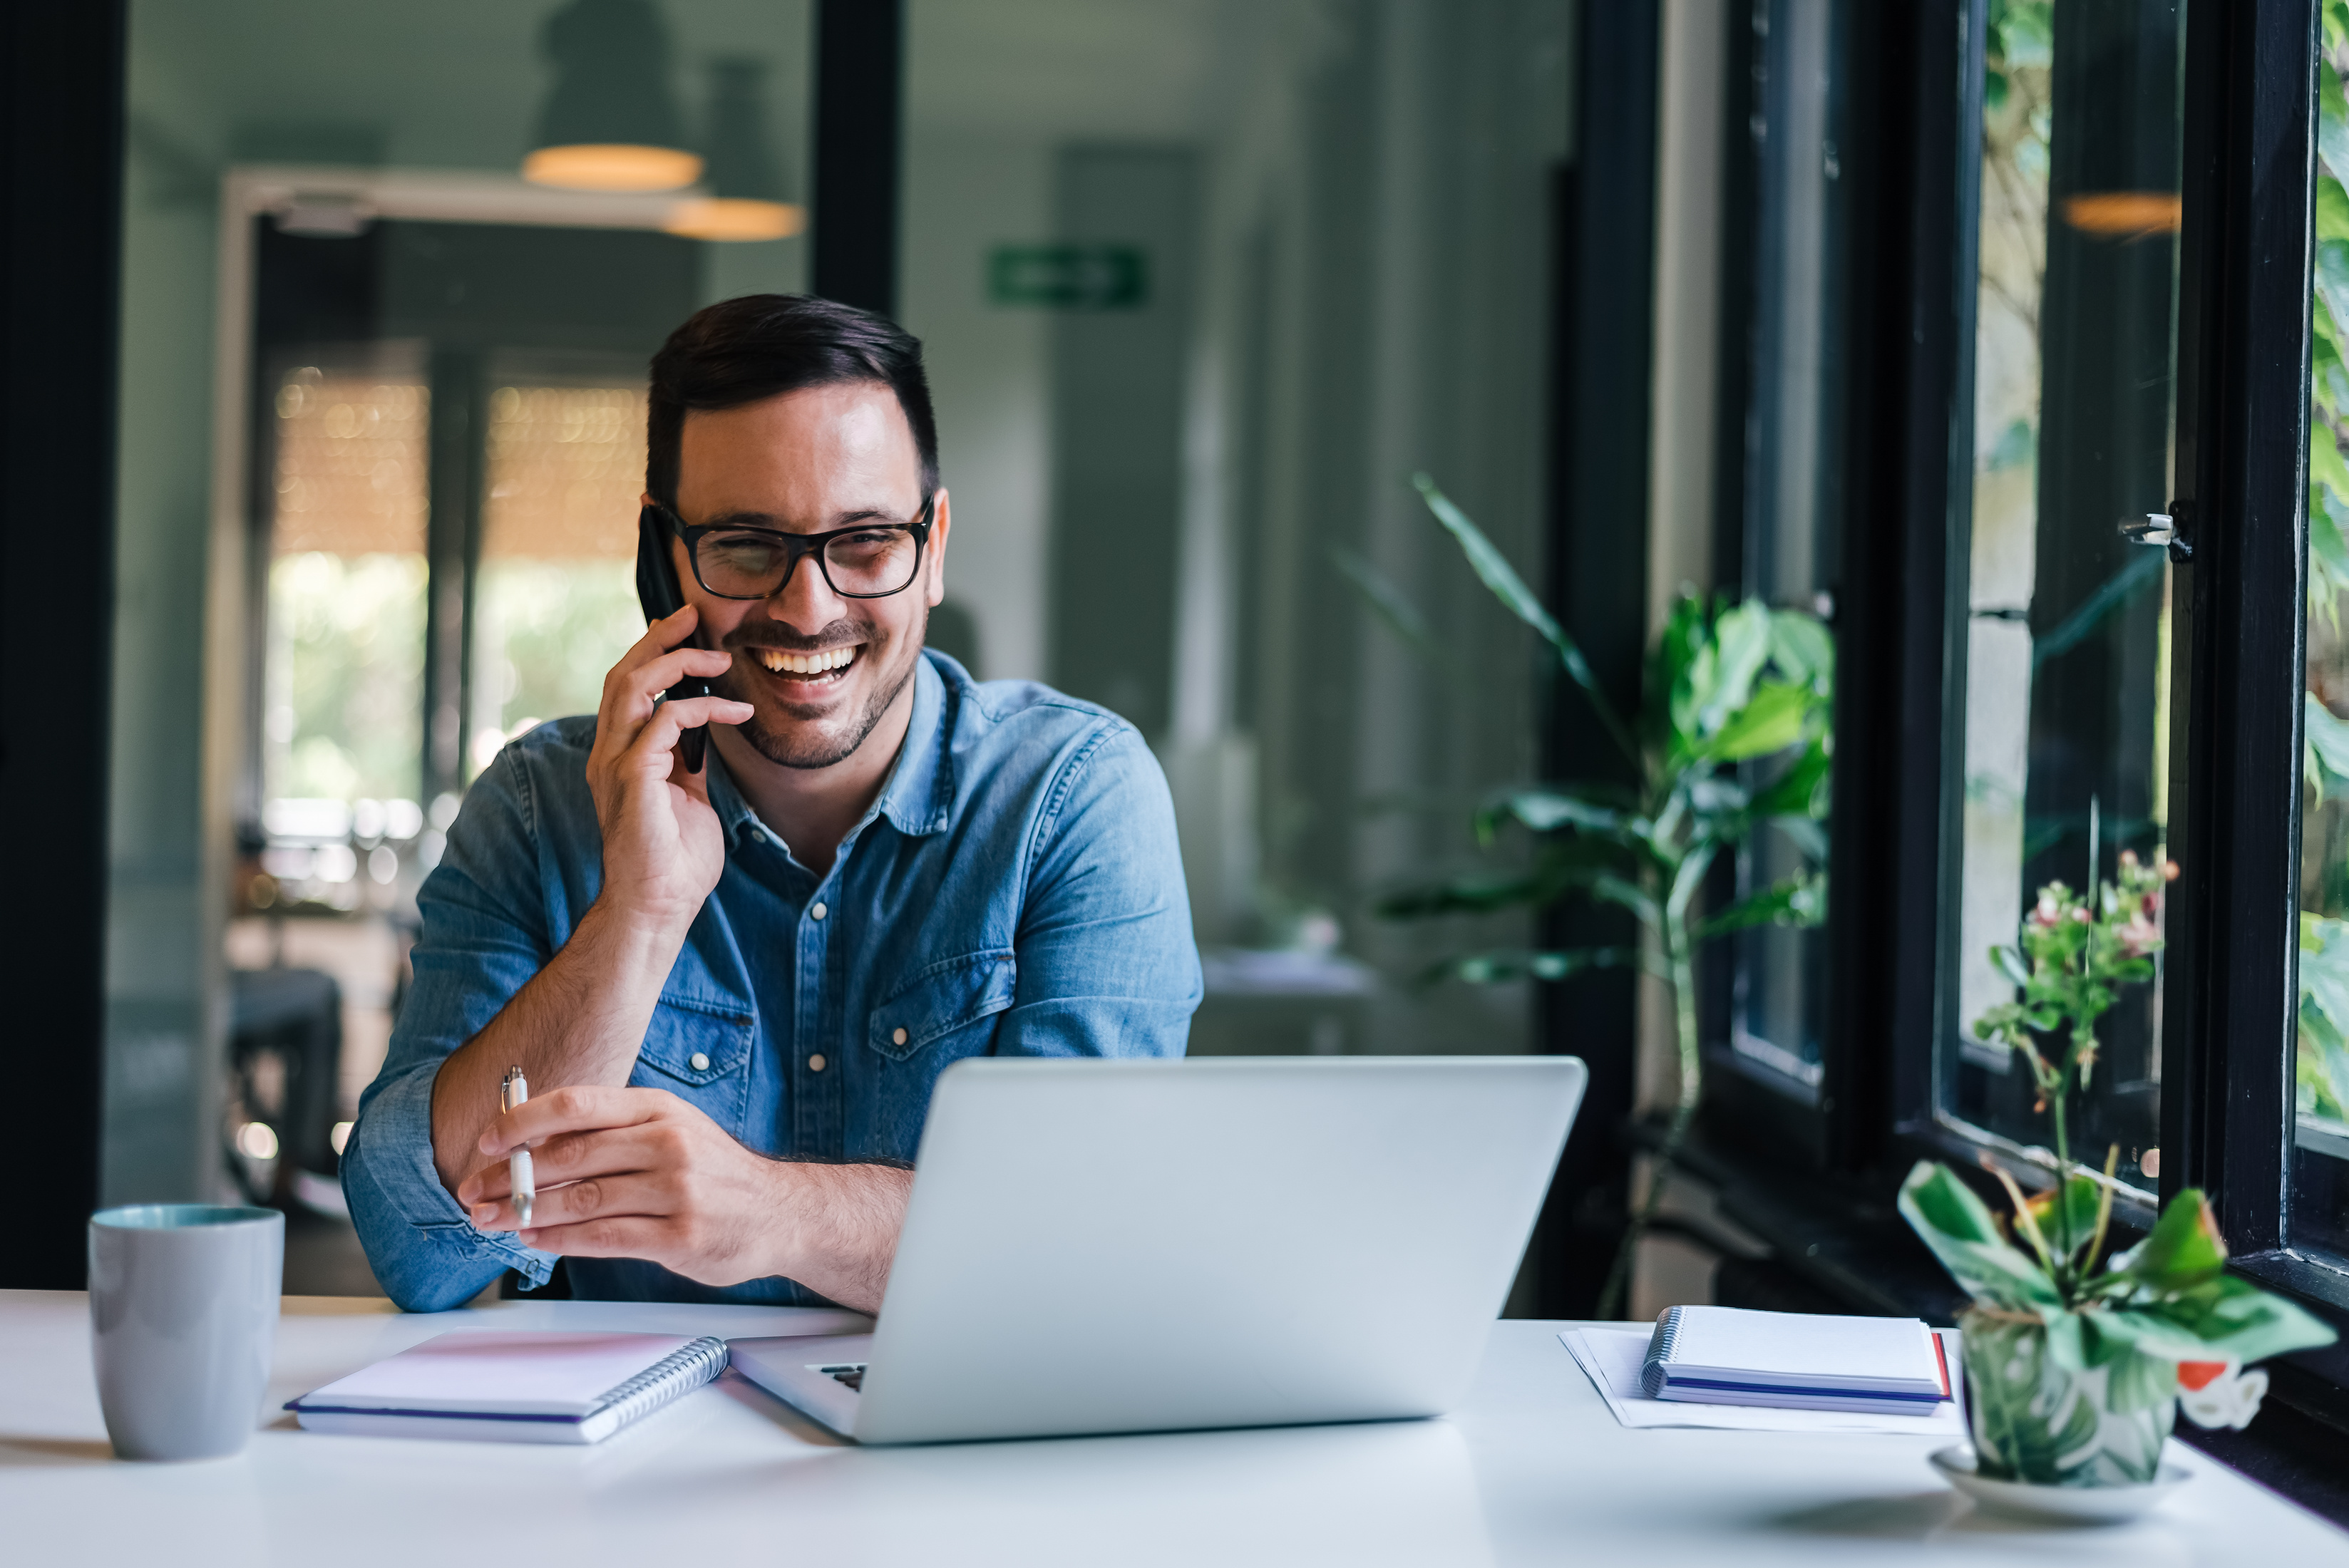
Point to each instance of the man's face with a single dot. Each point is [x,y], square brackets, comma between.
[820,669]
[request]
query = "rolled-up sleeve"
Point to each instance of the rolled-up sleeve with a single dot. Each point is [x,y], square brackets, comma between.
[485,933]
[1106,963]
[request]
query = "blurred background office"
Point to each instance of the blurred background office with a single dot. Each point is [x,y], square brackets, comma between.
[1868,314]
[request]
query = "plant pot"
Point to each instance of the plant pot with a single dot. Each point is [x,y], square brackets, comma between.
[2044,1424]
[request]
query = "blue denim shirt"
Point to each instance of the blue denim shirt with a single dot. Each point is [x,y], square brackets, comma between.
[1015,890]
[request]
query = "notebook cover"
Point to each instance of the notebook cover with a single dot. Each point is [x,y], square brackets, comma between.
[517,1381]
[1730,1355]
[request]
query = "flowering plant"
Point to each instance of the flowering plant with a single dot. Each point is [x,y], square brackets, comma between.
[2077,1360]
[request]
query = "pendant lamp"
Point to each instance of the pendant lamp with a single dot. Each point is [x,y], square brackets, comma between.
[610,122]
[746,200]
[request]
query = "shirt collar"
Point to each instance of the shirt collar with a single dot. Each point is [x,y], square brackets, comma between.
[918,796]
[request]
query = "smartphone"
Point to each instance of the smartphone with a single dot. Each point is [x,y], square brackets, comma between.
[657,592]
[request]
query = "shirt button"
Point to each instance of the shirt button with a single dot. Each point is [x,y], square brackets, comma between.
[700,1060]
[815,1063]
[817,911]
[897,1038]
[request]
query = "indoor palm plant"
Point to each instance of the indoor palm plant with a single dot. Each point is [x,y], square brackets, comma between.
[1732,733]
[2077,1361]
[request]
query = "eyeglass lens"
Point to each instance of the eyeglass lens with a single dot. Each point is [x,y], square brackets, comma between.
[752,565]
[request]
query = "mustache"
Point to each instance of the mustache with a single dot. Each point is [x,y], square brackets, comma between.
[839,634]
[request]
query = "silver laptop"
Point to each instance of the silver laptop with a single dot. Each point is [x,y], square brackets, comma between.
[1120,1246]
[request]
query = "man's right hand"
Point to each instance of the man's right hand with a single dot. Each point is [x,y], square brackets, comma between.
[663,849]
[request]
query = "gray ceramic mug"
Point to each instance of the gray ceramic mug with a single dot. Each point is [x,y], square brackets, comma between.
[183,1322]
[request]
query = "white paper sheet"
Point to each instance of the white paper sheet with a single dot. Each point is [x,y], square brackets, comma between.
[1613,1357]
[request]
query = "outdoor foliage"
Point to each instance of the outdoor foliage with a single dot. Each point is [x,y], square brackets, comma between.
[2323,1068]
[1732,733]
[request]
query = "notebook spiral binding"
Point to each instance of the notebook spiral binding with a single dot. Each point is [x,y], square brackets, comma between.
[1659,1351]
[680,1372]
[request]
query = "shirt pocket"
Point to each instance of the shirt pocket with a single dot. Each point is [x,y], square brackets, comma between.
[943,1000]
[700,1052]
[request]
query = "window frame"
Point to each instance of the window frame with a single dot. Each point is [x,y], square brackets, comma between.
[2239,483]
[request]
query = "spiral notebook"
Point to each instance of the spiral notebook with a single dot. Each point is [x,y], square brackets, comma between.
[514,1387]
[1795,1361]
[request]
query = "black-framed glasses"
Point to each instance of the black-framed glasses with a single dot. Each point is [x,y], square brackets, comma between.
[869,561]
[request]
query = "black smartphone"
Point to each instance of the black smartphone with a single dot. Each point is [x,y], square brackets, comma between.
[657,592]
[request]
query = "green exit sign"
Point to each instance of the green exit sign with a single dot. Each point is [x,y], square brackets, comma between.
[1069,278]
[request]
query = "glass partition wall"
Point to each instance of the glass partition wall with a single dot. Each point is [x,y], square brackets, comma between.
[1200,287]
[382,438]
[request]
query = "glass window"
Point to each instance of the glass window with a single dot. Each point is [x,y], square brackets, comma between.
[2320,1163]
[345,696]
[1793,464]
[554,592]
[2065,749]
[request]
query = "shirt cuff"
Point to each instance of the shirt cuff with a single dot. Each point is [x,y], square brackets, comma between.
[387,1170]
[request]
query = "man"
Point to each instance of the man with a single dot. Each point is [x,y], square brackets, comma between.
[731,991]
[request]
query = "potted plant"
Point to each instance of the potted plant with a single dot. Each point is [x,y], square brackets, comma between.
[2075,1361]
[1732,735]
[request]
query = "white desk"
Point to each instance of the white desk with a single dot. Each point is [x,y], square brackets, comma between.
[1534,1471]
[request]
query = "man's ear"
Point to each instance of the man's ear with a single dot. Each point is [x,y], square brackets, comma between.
[941,523]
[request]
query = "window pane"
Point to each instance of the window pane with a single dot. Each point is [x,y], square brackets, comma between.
[2319,1205]
[342,678]
[1794,465]
[554,597]
[2065,740]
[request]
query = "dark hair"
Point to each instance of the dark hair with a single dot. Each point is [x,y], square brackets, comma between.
[759,346]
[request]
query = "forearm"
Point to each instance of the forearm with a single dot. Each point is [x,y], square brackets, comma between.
[580,1020]
[839,1229]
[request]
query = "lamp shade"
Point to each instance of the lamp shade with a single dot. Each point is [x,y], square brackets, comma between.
[747,197]
[610,122]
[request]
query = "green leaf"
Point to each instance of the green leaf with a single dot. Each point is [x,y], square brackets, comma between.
[2328,473]
[1958,1227]
[1685,641]
[1741,640]
[2082,1197]
[1797,901]
[2225,1318]
[2331,211]
[2325,968]
[1803,649]
[1773,719]
[1394,608]
[2025,35]
[2328,544]
[1801,790]
[2332,254]
[1545,810]
[2327,741]
[1492,568]
[2331,124]
[2183,1248]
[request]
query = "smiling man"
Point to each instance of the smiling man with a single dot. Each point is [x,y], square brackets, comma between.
[731,990]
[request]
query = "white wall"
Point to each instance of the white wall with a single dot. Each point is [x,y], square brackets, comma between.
[989,377]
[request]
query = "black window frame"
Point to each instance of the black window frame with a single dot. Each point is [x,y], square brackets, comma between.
[2237,646]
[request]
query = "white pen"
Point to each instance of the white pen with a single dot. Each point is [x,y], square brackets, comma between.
[512,1094]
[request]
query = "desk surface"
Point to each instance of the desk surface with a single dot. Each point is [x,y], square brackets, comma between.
[1533,1470]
